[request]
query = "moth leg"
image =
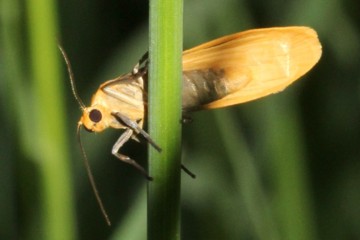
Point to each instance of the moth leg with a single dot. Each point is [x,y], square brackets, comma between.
[186,119]
[119,143]
[143,59]
[135,127]
[187,171]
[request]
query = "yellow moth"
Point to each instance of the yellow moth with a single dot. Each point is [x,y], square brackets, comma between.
[230,70]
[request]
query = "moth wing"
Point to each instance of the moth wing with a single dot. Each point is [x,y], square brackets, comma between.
[257,62]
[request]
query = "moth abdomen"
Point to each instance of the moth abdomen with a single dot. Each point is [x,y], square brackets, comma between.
[203,86]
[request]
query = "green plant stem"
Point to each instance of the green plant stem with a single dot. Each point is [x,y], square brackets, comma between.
[246,176]
[10,89]
[286,152]
[51,152]
[165,86]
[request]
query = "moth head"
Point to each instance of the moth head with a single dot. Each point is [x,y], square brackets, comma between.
[94,119]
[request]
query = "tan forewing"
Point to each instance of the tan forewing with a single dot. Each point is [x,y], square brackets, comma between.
[256,62]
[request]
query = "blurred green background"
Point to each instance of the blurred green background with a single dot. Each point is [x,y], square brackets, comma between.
[283,167]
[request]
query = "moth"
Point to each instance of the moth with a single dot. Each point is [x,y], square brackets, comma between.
[229,70]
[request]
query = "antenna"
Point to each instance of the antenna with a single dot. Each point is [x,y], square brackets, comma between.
[91,177]
[86,161]
[72,79]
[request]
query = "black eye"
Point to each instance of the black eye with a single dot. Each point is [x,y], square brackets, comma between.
[95,115]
